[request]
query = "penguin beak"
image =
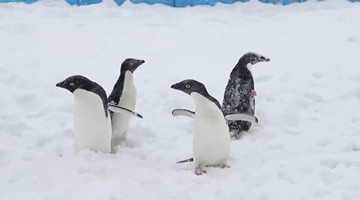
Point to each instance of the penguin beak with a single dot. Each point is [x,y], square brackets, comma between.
[267,59]
[138,63]
[264,59]
[174,86]
[179,86]
[60,84]
[260,59]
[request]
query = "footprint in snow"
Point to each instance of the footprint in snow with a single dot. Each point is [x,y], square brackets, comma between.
[268,98]
[43,141]
[14,128]
[354,147]
[30,100]
[330,163]
[330,178]
[2,70]
[317,75]
[263,78]
[352,39]
[323,143]
[292,131]
[314,97]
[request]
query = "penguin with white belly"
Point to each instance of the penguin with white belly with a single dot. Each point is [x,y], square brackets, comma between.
[92,125]
[211,142]
[123,95]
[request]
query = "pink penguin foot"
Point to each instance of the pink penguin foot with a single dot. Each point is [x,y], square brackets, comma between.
[253,93]
[199,171]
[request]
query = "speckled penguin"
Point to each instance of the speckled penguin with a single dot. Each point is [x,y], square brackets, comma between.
[239,95]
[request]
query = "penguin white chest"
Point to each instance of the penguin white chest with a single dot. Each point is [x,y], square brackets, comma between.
[249,66]
[92,129]
[120,121]
[211,144]
[128,95]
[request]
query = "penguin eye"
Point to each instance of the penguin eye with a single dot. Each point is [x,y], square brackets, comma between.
[187,86]
[72,84]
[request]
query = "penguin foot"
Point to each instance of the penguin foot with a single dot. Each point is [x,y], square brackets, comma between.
[199,171]
[253,93]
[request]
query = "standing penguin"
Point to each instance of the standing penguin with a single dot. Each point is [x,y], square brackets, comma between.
[123,95]
[92,126]
[211,143]
[239,95]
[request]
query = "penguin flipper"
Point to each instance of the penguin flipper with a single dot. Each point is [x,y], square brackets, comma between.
[183,112]
[118,109]
[242,117]
[185,161]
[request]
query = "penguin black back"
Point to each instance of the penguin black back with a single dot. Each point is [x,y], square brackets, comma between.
[81,82]
[131,65]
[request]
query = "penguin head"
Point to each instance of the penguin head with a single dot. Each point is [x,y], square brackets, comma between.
[253,58]
[81,82]
[189,86]
[75,82]
[131,65]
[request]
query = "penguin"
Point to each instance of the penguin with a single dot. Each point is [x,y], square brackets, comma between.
[239,95]
[92,125]
[211,141]
[123,95]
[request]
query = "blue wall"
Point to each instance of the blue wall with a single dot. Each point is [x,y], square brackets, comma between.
[82,2]
[183,3]
[284,2]
[173,3]
[26,1]
[119,2]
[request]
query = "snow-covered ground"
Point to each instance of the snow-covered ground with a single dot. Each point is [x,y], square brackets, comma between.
[307,145]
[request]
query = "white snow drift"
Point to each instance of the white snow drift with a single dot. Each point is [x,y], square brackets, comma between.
[307,144]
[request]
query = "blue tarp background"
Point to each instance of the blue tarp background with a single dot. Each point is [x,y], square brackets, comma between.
[26,1]
[183,3]
[82,2]
[173,3]
[119,2]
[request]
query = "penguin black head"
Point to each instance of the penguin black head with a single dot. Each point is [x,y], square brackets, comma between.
[76,82]
[189,86]
[81,82]
[131,65]
[253,58]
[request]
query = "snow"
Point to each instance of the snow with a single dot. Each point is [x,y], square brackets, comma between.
[307,143]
